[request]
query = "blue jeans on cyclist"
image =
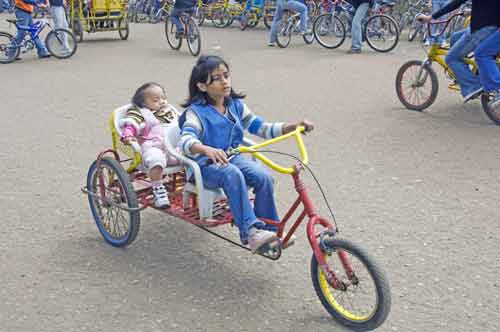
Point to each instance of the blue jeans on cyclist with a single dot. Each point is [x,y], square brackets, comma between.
[469,83]
[489,73]
[281,6]
[436,28]
[175,15]
[357,36]
[24,19]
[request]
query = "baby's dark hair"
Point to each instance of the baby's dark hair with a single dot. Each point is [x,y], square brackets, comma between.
[139,98]
[201,73]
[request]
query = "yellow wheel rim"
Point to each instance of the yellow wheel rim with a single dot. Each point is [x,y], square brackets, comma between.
[327,292]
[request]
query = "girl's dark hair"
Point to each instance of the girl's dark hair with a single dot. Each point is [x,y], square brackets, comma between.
[201,73]
[139,96]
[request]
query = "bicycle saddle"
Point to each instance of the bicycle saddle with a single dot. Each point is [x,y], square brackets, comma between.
[10,20]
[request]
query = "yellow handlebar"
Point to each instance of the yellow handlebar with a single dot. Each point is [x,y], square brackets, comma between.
[286,170]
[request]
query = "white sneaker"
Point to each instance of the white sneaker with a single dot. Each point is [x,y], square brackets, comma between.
[161,197]
[260,237]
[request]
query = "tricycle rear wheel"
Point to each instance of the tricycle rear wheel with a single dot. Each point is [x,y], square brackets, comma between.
[367,286]
[108,178]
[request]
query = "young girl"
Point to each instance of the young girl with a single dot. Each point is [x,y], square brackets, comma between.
[213,122]
[144,124]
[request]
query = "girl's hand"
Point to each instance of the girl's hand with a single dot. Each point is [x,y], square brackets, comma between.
[308,126]
[218,156]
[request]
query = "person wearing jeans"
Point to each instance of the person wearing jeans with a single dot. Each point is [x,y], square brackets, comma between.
[180,7]
[436,28]
[23,11]
[485,21]
[59,17]
[281,6]
[489,73]
[361,7]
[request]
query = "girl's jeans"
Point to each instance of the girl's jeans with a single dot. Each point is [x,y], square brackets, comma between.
[60,22]
[24,19]
[486,54]
[281,5]
[462,47]
[436,5]
[356,25]
[234,179]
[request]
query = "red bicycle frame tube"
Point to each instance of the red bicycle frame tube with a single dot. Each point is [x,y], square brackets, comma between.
[314,220]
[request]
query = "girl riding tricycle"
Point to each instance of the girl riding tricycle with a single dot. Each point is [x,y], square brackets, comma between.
[208,186]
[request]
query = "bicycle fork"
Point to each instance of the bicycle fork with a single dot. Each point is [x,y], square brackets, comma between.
[422,74]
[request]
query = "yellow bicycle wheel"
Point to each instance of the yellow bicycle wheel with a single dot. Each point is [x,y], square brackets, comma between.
[364,300]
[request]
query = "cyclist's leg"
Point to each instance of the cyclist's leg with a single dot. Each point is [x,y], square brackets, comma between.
[60,22]
[486,54]
[278,15]
[232,181]
[299,8]
[260,179]
[456,36]
[174,16]
[469,83]
[356,26]
[23,18]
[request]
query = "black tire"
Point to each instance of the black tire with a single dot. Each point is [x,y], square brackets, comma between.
[284,36]
[8,51]
[492,113]
[373,274]
[193,38]
[123,28]
[170,30]
[381,28]
[77,30]
[415,30]
[428,75]
[55,41]
[309,37]
[199,16]
[222,18]
[329,31]
[118,189]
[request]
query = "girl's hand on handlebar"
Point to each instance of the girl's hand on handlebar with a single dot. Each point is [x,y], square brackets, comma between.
[218,156]
[308,125]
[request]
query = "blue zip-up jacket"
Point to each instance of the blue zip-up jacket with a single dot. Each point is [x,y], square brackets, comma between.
[219,131]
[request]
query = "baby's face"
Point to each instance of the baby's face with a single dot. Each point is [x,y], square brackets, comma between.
[155,98]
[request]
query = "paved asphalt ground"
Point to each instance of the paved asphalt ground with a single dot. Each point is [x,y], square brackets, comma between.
[417,190]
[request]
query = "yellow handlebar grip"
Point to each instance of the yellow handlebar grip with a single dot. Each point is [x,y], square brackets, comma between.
[268,162]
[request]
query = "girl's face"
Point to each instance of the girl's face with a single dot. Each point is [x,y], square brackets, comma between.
[155,98]
[219,85]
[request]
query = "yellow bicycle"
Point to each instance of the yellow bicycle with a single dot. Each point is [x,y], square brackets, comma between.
[417,84]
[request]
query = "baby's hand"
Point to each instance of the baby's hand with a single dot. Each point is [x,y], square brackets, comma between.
[129,140]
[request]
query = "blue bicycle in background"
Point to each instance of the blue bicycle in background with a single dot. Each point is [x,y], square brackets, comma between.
[60,43]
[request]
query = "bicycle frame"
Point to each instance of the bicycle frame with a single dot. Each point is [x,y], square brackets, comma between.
[304,199]
[34,30]
[438,54]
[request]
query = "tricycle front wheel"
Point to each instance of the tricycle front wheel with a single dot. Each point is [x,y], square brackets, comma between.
[364,300]
[109,189]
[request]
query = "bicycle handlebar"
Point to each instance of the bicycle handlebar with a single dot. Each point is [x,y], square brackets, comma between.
[297,134]
[446,22]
